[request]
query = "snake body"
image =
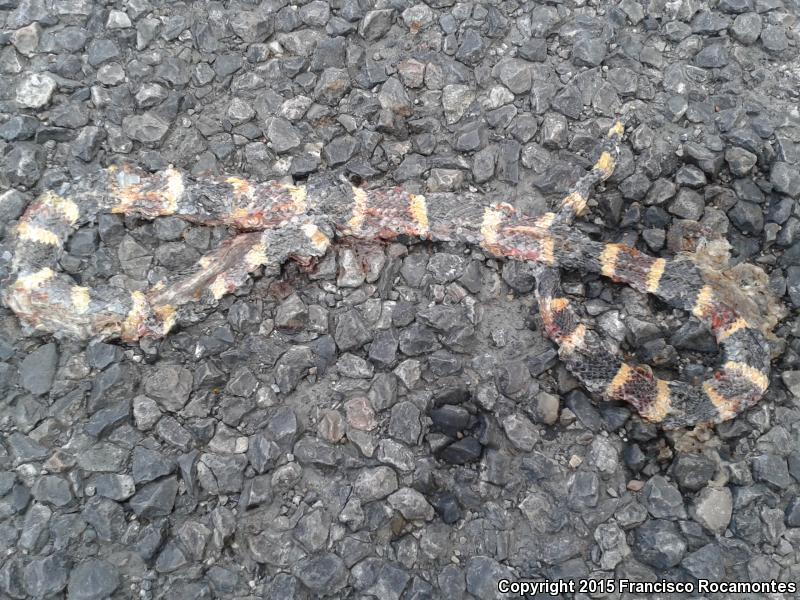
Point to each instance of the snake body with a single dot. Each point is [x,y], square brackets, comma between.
[278,221]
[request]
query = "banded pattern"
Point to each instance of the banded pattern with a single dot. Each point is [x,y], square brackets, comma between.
[281,222]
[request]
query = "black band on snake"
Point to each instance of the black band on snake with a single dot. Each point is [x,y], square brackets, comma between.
[283,221]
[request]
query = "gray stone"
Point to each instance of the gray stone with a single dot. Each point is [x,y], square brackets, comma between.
[515,74]
[712,57]
[688,204]
[706,563]
[145,412]
[106,517]
[772,470]
[282,135]
[19,127]
[351,331]
[662,499]
[786,179]
[92,579]
[339,150]
[38,369]
[118,19]
[325,573]
[114,486]
[292,367]
[393,97]
[584,490]
[101,51]
[693,471]
[332,86]
[411,504]
[521,432]
[23,164]
[611,539]
[712,508]
[155,499]
[45,577]
[659,544]
[404,423]
[793,512]
[53,490]
[375,24]
[169,385]
[239,111]
[588,51]
[456,99]
[483,573]
[375,483]
[466,450]
[748,217]
[221,474]
[88,142]
[25,449]
[26,39]
[746,28]
[148,465]
[251,26]
[146,128]
[34,534]
[740,161]
[472,48]
[36,90]
[171,558]
[774,39]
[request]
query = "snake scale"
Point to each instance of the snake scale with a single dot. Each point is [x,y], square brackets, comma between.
[278,221]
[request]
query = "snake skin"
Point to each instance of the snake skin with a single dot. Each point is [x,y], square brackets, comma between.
[280,222]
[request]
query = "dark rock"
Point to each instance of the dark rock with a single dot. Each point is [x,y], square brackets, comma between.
[106,517]
[92,579]
[351,331]
[588,51]
[464,451]
[417,339]
[53,490]
[148,465]
[292,367]
[447,507]
[147,128]
[483,573]
[705,563]
[23,164]
[170,386]
[772,470]
[659,544]
[584,490]
[471,49]
[221,474]
[101,51]
[45,577]
[786,179]
[38,369]
[332,85]
[662,499]
[155,499]
[19,127]
[746,28]
[793,512]
[747,217]
[383,349]
[774,39]
[693,471]
[712,57]
[688,204]
[325,573]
